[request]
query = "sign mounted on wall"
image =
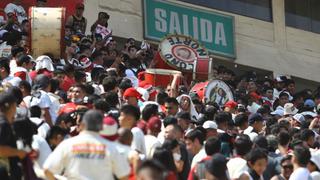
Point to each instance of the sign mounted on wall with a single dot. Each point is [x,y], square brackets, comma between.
[215,31]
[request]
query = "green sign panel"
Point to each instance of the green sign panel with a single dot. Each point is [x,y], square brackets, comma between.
[215,31]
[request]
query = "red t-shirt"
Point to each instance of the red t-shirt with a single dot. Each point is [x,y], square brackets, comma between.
[67,83]
[67,108]
[21,74]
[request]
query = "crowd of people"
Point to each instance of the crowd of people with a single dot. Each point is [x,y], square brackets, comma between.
[89,114]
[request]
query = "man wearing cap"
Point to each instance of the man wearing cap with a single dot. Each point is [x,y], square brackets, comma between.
[211,128]
[39,97]
[88,155]
[132,96]
[5,74]
[77,21]
[279,85]
[151,140]
[289,110]
[15,9]
[308,108]
[256,126]
[297,121]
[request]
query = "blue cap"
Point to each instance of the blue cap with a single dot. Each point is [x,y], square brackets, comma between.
[309,103]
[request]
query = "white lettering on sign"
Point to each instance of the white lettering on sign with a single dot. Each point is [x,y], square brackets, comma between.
[172,22]
[206,30]
[185,25]
[195,28]
[161,23]
[220,35]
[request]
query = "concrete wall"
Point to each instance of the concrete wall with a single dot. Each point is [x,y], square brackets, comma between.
[270,46]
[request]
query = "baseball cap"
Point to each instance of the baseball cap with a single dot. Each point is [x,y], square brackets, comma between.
[154,124]
[309,103]
[231,104]
[281,78]
[132,92]
[289,109]
[210,125]
[109,128]
[278,111]
[299,117]
[255,117]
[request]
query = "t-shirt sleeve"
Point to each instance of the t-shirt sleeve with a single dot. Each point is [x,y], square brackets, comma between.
[138,142]
[56,162]
[120,167]
[45,101]
[22,75]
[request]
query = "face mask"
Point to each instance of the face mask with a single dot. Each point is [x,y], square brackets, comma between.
[176,156]
[76,100]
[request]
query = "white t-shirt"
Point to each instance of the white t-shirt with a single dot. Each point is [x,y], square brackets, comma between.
[250,133]
[236,167]
[14,81]
[87,156]
[151,144]
[198,157]
[43,129]
[17,10]
[138,142]
[55,106]
[315,175]
[21,69]
[300,173]
[41,145]
[43,100]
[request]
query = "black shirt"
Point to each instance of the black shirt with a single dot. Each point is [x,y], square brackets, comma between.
[7,138]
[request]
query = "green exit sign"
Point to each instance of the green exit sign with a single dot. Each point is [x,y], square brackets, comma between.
[215,31]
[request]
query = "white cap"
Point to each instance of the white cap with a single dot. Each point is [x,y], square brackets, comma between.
[278,112]
[44,62]
[210,125]
[289,109]
[299,117]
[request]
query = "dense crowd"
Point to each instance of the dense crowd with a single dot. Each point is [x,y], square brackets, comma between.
[90,115]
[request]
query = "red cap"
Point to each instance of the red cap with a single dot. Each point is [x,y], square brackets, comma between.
[154,124]
[231,104]
[110,128]
[86,64]
[132,92]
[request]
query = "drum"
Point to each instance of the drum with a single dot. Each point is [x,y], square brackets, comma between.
[215,91]
[185,54]
[46,30]
[161,77]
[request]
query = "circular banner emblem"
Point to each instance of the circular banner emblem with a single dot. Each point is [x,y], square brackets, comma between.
[219,92]
[182,52]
